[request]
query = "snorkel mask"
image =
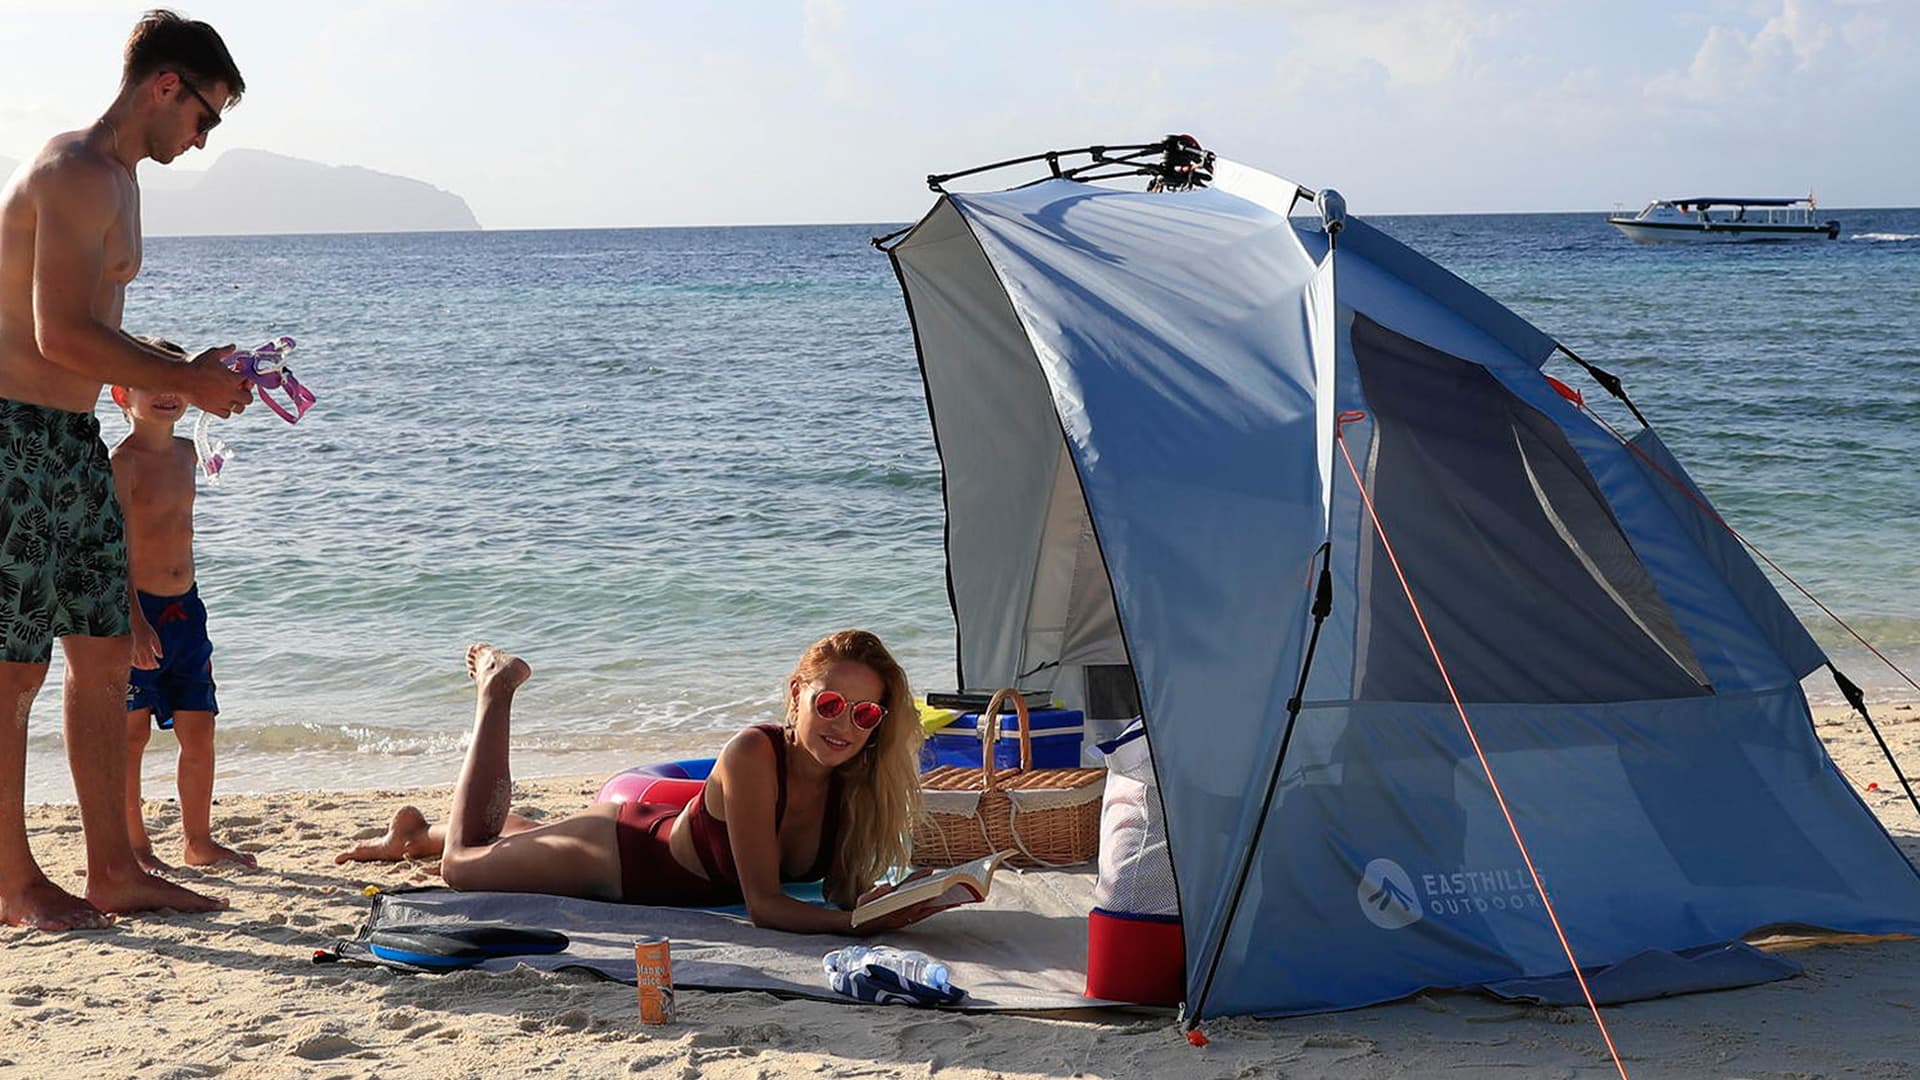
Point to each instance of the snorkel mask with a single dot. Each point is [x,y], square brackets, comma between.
[266,368]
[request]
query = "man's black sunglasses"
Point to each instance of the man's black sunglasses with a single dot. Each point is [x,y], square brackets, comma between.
[212,118]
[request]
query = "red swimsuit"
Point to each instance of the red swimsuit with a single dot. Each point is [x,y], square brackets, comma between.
[649,874]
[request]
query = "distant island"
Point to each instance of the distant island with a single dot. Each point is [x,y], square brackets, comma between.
[249,192]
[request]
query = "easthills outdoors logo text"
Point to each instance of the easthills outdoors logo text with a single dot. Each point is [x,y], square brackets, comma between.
[1390,900]
[1476,892]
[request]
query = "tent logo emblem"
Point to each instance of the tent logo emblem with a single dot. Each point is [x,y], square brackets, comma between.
[1386,896]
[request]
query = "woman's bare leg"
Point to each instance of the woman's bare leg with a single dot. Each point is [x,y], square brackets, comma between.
[484,792]
[409,836]
[496,675]
[575,856]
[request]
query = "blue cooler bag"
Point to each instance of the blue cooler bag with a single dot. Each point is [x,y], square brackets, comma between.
[1056,741]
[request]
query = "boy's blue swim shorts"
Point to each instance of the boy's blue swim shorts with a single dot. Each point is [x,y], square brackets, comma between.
[184,680]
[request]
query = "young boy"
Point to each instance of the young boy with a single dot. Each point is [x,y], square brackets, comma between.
[172,677]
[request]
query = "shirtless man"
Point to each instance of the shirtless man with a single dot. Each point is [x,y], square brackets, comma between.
[69,244]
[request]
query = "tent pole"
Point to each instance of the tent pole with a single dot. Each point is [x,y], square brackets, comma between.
[1608,380]
[936,181]
[1859,702]
[1333,213]
[1322,607]
[881,242]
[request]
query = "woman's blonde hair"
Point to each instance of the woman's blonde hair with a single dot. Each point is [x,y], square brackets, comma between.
[880,787]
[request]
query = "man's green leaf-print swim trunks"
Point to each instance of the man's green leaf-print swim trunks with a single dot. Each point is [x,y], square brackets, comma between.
[63,544]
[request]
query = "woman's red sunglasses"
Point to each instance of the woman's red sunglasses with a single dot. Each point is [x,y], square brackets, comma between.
[829,704]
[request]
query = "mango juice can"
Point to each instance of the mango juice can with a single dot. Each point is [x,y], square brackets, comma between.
[653,974]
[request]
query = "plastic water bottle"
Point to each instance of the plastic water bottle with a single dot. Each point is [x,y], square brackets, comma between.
[910,964]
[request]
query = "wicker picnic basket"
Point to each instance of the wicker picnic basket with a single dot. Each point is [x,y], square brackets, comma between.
[1050,816]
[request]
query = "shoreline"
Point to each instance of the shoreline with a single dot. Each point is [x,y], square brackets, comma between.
[440,767]
[235,995]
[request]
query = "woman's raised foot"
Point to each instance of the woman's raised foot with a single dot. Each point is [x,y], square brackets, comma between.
[495,668]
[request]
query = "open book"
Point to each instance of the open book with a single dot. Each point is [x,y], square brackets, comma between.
[964,884]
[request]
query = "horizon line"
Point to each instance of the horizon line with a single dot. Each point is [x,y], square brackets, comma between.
[889,225]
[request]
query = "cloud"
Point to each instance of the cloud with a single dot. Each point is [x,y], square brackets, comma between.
[1808,52]
[39,9]
[1400,42]
[823,33]
[1731,66]
[1413,42]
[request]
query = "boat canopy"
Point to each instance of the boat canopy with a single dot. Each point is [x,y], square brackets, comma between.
[1723,200]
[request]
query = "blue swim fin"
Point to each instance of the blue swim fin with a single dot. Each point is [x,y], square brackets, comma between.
[449,945]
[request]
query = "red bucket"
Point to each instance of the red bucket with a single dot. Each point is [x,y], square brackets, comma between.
[1136,958]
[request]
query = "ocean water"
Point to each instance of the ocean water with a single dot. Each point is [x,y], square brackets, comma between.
[659,462]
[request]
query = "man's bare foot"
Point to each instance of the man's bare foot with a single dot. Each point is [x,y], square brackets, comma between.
[148,861]
[46,906]
[406,839]
[143,892]
[495,668]
[208,853]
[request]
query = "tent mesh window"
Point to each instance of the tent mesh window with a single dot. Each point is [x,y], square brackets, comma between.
[1531,589]
[1111,692]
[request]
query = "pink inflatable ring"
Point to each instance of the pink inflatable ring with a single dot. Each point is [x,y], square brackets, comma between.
[667,782]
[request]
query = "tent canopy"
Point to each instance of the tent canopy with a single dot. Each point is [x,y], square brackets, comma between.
[1141,400]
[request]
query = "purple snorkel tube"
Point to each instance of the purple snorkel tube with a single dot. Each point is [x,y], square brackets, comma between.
[266,368]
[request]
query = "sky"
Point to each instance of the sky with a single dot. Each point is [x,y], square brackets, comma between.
[594,113]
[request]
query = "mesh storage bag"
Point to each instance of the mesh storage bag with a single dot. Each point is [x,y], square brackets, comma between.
[1136,873]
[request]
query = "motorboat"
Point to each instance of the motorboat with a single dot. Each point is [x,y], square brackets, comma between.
[1704,218]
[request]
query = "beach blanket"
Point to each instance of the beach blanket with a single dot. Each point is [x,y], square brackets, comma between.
[1025,948]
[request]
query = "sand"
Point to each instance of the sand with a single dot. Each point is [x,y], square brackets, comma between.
[235,995]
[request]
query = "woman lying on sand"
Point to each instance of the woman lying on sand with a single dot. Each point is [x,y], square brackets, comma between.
[830,796]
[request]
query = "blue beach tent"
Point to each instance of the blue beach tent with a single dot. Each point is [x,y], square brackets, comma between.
[1144,402]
